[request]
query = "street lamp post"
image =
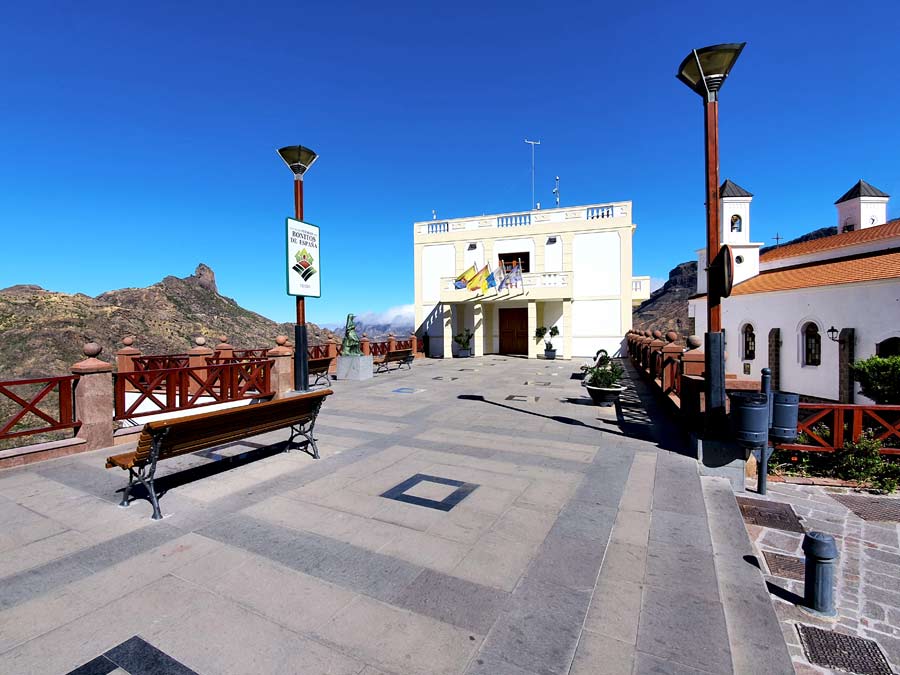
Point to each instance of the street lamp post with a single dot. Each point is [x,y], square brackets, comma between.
[299,159]
[704,71]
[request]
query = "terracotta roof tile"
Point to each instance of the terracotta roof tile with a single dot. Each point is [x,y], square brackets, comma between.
[889,229]
[884,265]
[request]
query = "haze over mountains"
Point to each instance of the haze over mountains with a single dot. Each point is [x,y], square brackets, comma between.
[42,332]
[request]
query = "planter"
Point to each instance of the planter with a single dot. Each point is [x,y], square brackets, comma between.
[604,395]
[464,353]
[549,353]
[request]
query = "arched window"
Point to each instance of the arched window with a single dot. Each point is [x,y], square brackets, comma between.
[749,342]
[889,347]
[735,223]
[812,345]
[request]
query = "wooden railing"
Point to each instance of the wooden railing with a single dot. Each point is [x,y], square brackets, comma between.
[171,389]
[403,344]
[826,426]
[161,361]
[250,353]
[21,398]
[318,351]
[378,348]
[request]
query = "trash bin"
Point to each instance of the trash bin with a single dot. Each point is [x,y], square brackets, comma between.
[750,418]
[785,410]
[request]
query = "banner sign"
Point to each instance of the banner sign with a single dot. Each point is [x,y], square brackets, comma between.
[303,259]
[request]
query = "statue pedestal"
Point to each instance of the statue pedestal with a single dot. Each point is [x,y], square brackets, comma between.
[354,368]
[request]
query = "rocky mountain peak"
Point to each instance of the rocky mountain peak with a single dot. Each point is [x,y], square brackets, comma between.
[205,277]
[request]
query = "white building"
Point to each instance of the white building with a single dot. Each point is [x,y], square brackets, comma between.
[576,275]
[785,301]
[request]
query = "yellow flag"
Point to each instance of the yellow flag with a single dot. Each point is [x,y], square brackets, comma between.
[467,275]
[476,282]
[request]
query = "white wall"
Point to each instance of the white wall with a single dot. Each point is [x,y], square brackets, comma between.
[596,265]
[872,309]
[728,207]
[473,257]
[553,254]
[596,324]
[437,261]
[522,244]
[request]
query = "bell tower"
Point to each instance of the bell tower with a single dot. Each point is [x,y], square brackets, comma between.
[734,217]
[860,207]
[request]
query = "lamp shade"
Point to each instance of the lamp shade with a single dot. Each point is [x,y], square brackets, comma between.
[704,70]
[298,158]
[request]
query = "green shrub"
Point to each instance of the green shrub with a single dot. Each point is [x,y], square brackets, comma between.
[863,462]
[879,378]
[603,376]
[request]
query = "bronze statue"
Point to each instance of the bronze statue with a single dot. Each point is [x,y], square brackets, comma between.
[350,345]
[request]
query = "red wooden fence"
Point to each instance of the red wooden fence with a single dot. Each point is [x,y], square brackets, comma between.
[25,403]
[829,425]
[171,389]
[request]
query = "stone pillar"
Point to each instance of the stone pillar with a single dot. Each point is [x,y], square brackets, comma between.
[225,350]
[448,330]
[331,351]
[94,399]
[693,360]
[197,356]
[846,355]
[125,356]
[775,357]
[414,341]
[364,346]
[671,360]
[392,342]
[283,366]
[478,332]
[532,326]
[655,355]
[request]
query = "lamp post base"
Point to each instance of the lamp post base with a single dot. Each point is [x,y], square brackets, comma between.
[301,364]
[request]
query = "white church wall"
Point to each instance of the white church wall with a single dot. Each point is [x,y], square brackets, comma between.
[872,309]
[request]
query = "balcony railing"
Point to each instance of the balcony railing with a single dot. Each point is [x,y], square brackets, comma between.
[595,212]
[37,406]
[561,215]
[530,281]
[438,228]
[514,221]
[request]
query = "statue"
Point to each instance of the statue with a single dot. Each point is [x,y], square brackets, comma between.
[350,345]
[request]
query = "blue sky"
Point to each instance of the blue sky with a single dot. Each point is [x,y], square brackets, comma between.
[138,139]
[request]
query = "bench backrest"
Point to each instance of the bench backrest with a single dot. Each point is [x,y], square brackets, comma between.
[398,355]
[319,365]
[196,432]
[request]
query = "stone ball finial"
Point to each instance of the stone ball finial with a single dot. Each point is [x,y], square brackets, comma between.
[281,340]
[223,338]
[657,334]
[200,341]
[693,342]
[365,335]
[91,350]
[128,341]
[671,336]
[647,333]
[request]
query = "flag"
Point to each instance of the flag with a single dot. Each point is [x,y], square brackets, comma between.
[476,281]
[463,279]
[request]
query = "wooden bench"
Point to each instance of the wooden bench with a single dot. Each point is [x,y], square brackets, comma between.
[320,368]
[402,357]
[170,438]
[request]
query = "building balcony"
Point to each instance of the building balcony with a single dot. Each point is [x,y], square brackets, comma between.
[533,286]
[517,221]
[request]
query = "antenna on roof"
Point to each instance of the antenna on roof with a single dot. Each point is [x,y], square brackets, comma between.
[532,144]
[556,191]
[433,214]
[777,239]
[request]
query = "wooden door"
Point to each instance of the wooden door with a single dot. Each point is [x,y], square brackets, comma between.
[514,331]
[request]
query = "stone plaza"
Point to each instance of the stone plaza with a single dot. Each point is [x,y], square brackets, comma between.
[467,516]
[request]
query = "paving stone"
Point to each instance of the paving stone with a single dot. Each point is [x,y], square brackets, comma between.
[688,569]
[586,521]
[680,530]
[496,561]
[615,609]
[632,527]
[601,655]
[625,562]
[455,601]
[571,562]
[671,620]
[646,664]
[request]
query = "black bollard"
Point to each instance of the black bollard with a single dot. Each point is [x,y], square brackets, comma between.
[762,469]
[821,557]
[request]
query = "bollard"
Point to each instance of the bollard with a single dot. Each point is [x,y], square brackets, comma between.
[821,556]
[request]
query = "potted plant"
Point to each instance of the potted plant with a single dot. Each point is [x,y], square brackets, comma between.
[552,332]
[464,340]
[602,382]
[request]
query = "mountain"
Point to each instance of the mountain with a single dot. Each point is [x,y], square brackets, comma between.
[42,332]
[669,304]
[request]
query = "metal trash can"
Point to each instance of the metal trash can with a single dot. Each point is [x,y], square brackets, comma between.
[785,411]
[750,418]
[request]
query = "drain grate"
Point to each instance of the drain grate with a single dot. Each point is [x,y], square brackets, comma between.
[871,508]
[536,384]
[847,652]
[441,378]
[769,514]
[785,566]
[523,399]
